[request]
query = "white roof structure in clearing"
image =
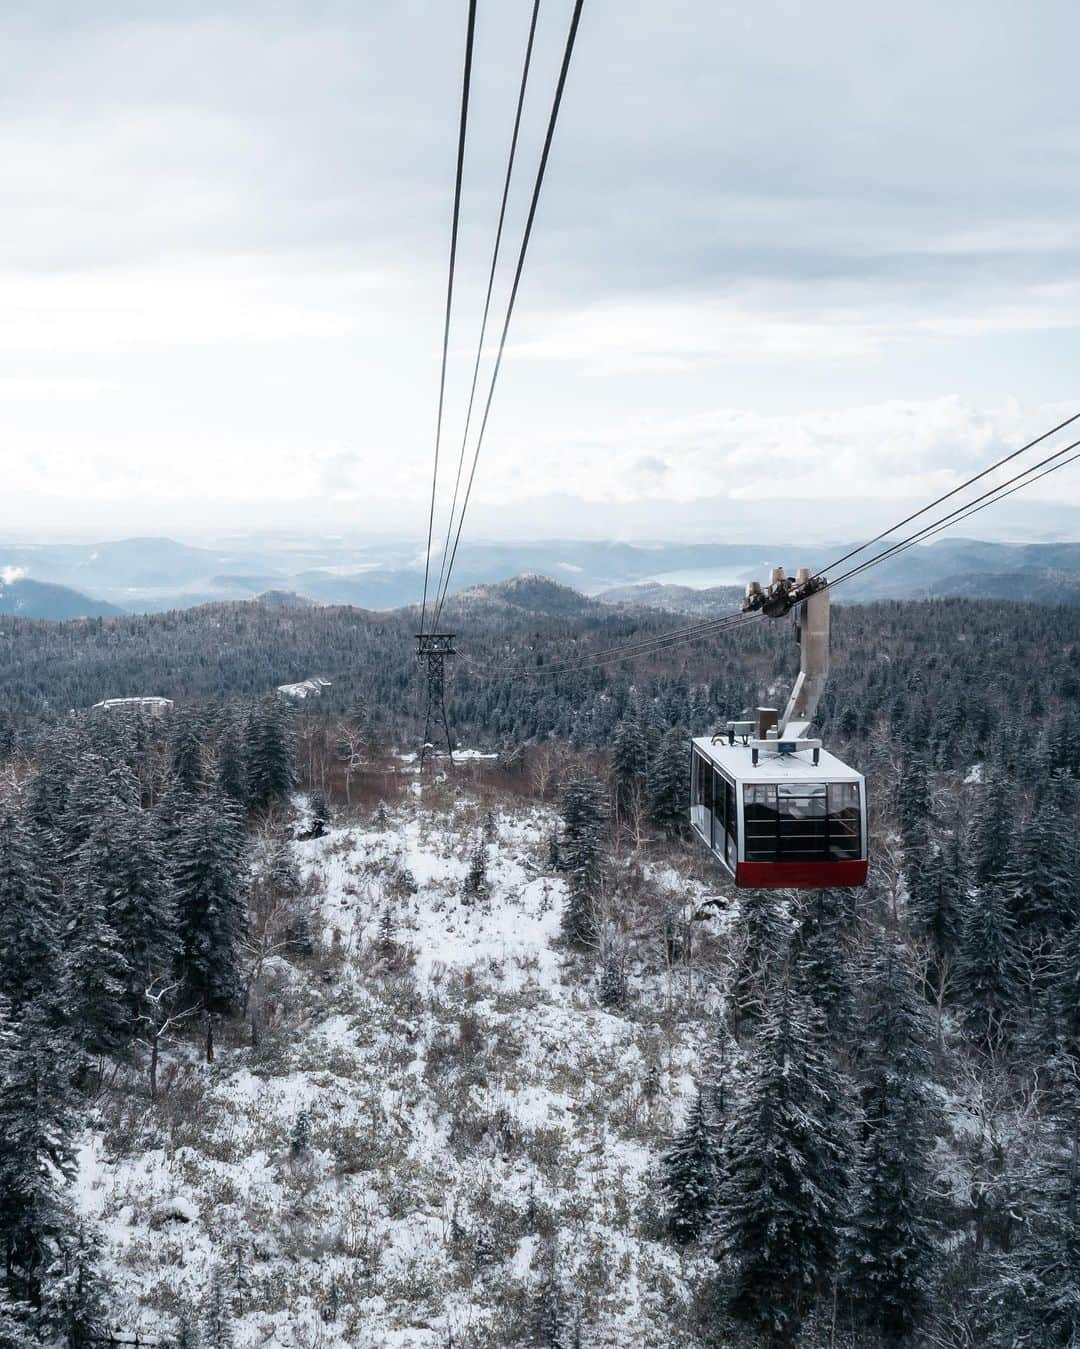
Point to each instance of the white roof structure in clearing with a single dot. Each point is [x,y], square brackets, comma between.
[152,703]
[307,688]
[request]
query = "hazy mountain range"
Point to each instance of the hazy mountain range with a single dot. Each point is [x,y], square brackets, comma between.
[148,575]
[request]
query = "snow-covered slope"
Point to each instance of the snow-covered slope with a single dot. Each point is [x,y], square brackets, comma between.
[437,1115]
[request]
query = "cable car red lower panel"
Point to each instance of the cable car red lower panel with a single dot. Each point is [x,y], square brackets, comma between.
[800,875]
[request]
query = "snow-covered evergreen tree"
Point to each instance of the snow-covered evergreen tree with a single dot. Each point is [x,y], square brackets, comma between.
[691,1175]
[29,950]
[1033,1300]
[760,941]
[36,1153]
[584,826]
[988,978]
[1041,881]
[208,878]
[991,840]
[97,977]
[669,783]
[270,753]
[629,763]
[188,768]
[217,1332]
[936,899]
[129,868]
[821,962]
[322,817]
[476,881]
[75,1293]
[782,1203]
[889,1246]
[913,801]
[612,980]
[231,767]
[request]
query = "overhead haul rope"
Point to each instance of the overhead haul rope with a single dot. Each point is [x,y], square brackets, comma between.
[662,641]
[487,298]
[549,137]
[854,552]
[466,78]
[968,508]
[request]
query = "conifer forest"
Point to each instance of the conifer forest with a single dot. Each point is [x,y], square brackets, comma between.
[300,1045]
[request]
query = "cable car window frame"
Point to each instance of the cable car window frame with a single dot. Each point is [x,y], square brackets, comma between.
[714,810]
[808,829]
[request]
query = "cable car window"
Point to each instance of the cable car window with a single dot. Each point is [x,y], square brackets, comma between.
[716,798]
[731,818]
[844,821]
[701,797]
[760,821]
[802,822]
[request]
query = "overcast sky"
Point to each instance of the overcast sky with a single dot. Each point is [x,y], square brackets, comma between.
[793,261]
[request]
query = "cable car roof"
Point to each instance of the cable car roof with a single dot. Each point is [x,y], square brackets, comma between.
[737,762]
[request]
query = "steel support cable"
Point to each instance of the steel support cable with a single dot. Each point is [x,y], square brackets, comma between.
[660,643]
[854,552]
[935,526]
[972,508]
[664,635]
[739,620]
[545,153]
[490,288]
[463,123]
[707,624]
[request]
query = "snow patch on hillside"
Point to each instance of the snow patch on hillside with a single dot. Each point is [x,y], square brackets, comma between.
[436,1109]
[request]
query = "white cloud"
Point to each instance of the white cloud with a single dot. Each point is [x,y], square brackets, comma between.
[9,575]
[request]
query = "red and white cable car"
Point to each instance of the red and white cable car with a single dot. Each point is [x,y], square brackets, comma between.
[774,808]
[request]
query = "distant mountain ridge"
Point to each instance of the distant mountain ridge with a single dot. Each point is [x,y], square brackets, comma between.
[24,598]
[147,575]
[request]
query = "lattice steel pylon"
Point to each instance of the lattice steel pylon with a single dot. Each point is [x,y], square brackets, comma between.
[432,650]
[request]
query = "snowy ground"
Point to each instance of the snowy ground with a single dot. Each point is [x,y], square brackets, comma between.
[474,1116]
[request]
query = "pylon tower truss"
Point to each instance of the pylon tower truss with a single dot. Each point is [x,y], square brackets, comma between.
[433,649]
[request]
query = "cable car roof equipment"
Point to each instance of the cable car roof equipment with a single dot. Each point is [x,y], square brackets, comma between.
[771,804]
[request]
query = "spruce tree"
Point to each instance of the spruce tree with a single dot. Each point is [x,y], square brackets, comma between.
[97,976]
[782,1203]
[889,1247]
[270,753]
[321,814]
[581,847]
[936,900]
[36,1152]
[75,1291]
[129,868]
[476,882]
[913,800]
[1034,1302]
[216,1326]
[691,1176]
[760,940]
[629,763]
[231,767]
[1041,881]
[208,878]
[821,962]
[991,843]
[29,950]
[188,768]
[669,784]
[988,976]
